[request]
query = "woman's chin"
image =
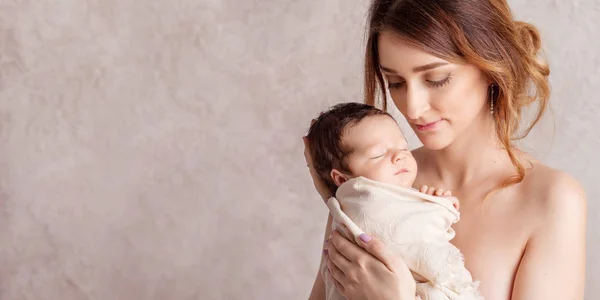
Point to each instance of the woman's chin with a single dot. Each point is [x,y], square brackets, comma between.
[435,141]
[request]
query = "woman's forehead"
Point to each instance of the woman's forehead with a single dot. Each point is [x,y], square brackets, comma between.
[396,54]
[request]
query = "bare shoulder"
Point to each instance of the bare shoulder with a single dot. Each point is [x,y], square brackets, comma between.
[556,194]
[556,187]
[553,264]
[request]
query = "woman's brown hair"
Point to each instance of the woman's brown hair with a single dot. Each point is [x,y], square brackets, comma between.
[479,32]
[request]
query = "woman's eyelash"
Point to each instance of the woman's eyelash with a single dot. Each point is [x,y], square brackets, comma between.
[440,83]
[395,85]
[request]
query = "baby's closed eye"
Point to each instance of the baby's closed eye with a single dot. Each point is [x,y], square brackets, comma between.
[377,156]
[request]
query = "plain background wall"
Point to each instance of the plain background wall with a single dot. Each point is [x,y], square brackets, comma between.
[152,149]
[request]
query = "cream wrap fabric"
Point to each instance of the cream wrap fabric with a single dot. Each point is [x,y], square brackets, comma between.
[415,225]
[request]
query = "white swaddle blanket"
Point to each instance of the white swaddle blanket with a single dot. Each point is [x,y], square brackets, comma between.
[414,225]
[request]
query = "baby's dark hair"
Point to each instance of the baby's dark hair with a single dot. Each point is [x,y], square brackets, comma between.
[325,138]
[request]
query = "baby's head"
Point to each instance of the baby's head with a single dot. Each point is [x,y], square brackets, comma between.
[353,139]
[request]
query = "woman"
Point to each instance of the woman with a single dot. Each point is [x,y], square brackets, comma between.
[461,72]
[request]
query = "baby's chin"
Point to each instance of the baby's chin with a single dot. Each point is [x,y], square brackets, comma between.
[406,182]
[403,180]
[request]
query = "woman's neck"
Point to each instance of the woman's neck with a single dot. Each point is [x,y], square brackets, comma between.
[469,159]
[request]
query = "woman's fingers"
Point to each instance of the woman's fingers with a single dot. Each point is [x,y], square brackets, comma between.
[307,155]
[333,251]
[321,187]
[340,288]
[364,273]
[376,248]
[336,273]
[338,285]
[349,250]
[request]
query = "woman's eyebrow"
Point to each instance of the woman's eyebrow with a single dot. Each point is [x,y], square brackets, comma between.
[419,68]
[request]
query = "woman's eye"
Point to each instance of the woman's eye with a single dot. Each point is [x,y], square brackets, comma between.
[440,83]
[395,85]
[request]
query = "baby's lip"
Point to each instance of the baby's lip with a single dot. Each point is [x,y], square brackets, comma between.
[403,170]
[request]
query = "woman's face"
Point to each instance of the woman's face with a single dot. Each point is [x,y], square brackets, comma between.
[440,100]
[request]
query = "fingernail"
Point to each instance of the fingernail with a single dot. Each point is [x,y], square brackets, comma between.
[365,237]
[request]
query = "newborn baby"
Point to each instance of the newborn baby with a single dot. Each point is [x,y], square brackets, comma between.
[362,156]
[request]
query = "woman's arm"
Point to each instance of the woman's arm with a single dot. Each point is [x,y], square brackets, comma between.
[318,290]
[553,265]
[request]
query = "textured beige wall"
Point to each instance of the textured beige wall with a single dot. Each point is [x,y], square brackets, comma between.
[152,149]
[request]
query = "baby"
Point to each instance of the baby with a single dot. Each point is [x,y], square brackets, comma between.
[368,141]
[362,156]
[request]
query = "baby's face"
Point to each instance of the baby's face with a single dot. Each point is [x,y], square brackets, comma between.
[379,151]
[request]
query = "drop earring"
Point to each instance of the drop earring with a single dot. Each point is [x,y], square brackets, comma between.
[492,97]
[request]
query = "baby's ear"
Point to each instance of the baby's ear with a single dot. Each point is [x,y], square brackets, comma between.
[338,177]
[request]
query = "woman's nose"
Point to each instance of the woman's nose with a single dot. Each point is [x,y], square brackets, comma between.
[416,102]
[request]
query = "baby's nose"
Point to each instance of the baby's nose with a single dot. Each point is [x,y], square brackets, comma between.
[398,157]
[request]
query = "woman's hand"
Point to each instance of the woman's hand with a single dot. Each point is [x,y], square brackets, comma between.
[370,273]
[322,189]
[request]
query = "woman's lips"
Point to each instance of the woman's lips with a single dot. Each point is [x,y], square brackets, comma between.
[428,126]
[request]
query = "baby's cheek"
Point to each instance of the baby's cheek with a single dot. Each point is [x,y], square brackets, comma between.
[384,174]
[373,173]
